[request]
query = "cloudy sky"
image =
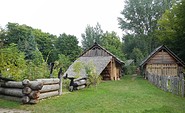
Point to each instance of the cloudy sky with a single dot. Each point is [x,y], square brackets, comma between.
[62,16]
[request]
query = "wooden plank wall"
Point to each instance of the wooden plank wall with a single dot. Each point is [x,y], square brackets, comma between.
[163,69]
[96,52]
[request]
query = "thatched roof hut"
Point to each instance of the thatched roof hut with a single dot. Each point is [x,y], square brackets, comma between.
[106,64]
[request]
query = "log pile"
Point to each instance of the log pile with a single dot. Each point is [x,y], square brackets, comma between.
[50,87]
[30,92]
[79,83]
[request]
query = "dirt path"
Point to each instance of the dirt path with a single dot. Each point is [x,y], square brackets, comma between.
[2,110]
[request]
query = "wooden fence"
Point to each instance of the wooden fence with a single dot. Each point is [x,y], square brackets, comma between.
[30,92]
[171,84]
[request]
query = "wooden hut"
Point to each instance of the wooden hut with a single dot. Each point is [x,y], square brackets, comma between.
[106,64]
[162,61]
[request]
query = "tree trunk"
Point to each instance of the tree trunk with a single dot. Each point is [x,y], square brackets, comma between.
[49,81]
[26,90]
[12,84]
[47,88]
[12,98]
[48,94]
[13,92]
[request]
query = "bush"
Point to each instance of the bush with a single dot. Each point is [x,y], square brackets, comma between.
[93,78]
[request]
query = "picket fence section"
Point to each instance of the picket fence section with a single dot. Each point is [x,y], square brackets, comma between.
[172,84]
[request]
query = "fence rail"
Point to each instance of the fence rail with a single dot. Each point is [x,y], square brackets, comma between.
[172,84]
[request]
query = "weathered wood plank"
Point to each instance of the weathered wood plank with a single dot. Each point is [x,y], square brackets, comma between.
[48,94]
[47,88]
[49,81]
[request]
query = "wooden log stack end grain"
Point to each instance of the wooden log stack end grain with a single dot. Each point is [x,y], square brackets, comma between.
[47,88]
[36,85]
[26,90]
[11,91]
[12,84]
[25,99]
[12,98]
[48,94]
[34,94]
[49,81]
[26,82]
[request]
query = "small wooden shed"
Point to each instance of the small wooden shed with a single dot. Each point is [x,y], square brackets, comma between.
[107,65]
[162,61]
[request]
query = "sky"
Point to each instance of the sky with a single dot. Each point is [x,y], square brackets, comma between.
[63,16]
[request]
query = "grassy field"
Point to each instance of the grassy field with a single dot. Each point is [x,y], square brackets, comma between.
[125,96]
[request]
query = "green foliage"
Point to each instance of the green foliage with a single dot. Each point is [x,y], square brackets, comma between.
[68,46]
[77,67]
[63,62]
[33,71]
[91,35]
[93,78]
[112,43]
[139,21]
[171,31]
[12,62]
[137,56]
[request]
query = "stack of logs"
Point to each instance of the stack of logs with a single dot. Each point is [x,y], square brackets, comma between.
[30,91]
[80,83]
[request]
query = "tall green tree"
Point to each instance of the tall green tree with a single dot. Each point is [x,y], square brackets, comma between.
[91,35]
[68,46]
[171,30]
[139,21]
[112,43]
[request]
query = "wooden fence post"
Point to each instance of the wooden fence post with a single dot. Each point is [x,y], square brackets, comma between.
[182,83]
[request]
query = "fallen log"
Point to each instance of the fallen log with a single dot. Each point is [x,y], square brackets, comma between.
[80,82]
[12,98]
[25,99]
[34,95]
[49,81]
[12,84]
[26,90]
[81,87]
[11,91]
[47,88]
[48,94]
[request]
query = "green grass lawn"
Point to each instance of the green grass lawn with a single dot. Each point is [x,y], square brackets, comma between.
[124,96]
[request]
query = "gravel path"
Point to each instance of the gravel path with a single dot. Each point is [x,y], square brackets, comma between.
[2,110]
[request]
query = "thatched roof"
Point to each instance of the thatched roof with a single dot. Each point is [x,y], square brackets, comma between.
[96,45]
[100,62]
[163,47]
